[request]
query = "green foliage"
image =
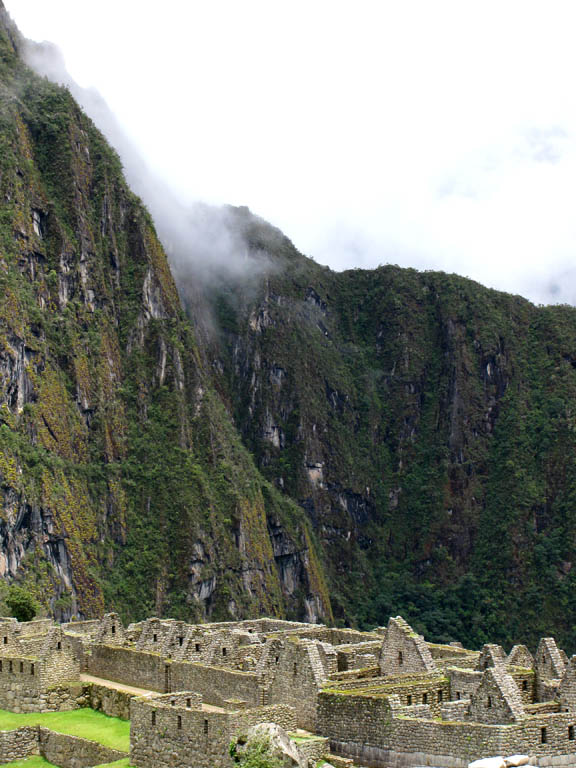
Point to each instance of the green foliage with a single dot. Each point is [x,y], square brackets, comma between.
[442,413]
[123,443]
[255,753]
[21,603]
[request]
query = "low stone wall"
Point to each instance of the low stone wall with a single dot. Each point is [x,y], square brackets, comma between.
[74,752]
[281,714]
[314,749]
[355,674]
[18,744]
[108,700]
[35,627]
[64,698]
[58,748]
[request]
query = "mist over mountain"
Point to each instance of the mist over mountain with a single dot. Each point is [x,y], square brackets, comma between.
[238,429]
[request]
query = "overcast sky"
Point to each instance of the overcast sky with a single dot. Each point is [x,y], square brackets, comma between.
[433,134]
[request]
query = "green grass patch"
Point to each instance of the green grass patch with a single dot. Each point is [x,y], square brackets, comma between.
[86,723]
[30,762]
[303,739]
[125,763]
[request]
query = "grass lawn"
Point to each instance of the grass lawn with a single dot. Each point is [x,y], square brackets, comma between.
[31,762]
[109,731]
[118,764]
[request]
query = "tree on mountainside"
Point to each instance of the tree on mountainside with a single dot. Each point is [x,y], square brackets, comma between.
[21,604]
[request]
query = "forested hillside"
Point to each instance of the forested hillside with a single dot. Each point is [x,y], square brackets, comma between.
[272,439]
[427,426]
[123,481]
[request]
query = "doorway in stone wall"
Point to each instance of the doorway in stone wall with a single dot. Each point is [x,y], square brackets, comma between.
[167,678]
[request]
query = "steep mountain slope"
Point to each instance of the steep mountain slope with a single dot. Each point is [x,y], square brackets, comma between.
[413,434]
[122,479]
[426,424]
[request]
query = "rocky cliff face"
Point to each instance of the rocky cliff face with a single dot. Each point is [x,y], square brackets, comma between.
[426,425]
[402,442]
[122,479]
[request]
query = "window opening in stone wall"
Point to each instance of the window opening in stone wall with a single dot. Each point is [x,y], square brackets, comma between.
[155,638]
[5,641]
[277,659]
[571,732]
[59,646]
[10,666]
[424,698]
[543,736]
[197,647]
[409,700]
[0,666]
[400,658]
[21,666]
[295,668]
[489,702]
[153,718]
[205,726]
[524,685]
[458,695]
[224,651]
[179,722]
[180,641]
[188,703]
[172,702]
[439,697]
[31,669]
[113,629]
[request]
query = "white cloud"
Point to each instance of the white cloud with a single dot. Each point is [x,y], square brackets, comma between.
[431,134]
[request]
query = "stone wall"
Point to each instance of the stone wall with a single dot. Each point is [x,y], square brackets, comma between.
[411,690]
[463,682]
[19,684]
[18,744]
[364,728]
[107,700]
[89,628]
[163,736]
[59,665]
[73,752]
[525,679]
[124,665]
[404,651]
[314,749]
[295,677]
[57,748]
[36,627]
[216,684]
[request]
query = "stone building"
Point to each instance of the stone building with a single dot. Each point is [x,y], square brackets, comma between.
[381,698]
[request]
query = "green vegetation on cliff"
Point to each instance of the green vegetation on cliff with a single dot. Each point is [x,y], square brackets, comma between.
[376,442]
[427,426]
[124,483]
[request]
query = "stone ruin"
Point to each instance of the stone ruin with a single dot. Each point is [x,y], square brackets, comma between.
[381,698]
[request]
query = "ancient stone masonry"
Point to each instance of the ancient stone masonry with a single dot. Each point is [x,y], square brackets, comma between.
[381,698]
